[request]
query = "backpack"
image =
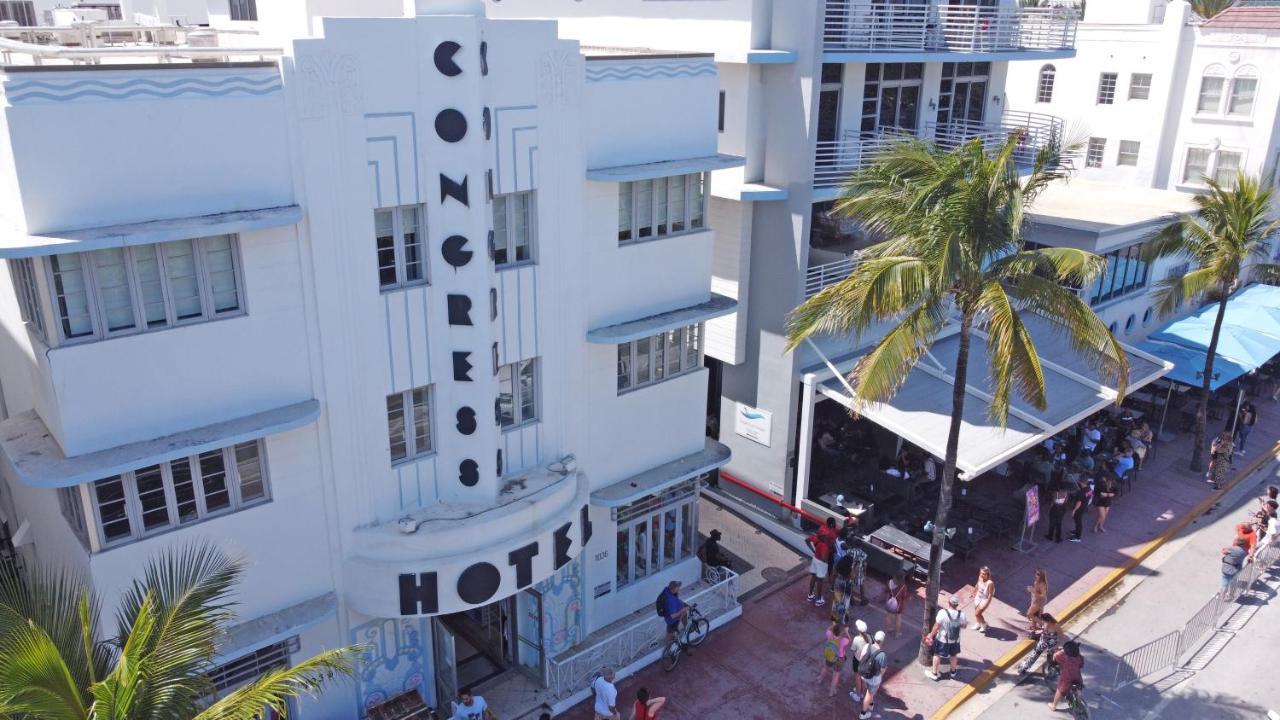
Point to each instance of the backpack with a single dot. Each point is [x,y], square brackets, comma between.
[951,628]
[871,666]
[830,651]
[660,605]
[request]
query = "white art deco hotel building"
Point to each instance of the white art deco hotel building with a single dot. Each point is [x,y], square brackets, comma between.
[409,314]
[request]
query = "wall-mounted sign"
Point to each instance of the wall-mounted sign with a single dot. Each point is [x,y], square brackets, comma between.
[753,424]
[603,589]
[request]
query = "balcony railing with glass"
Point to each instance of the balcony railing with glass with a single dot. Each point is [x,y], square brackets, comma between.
[852,26]
[835,160]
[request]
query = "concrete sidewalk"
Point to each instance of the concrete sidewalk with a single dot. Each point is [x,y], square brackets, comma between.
[766,664]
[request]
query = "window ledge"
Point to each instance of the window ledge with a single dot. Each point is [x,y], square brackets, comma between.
[117,544]
[413,459]
[515,265]
[619,333]
[521,426]
[656,238]
[1222,120]
[403,286]
[121,334]
[654,383]
[713,455]
[28,448]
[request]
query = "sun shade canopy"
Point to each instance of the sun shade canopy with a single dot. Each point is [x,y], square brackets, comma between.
[920,412]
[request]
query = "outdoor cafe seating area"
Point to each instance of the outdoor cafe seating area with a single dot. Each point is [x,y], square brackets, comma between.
[863,470]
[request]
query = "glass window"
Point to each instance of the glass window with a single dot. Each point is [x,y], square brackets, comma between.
[112,276]
[158,497]
[656,531]
[244,10]
[662,356]
[398,243]
[1140,86]
[1125,273]
[146,266]
[1044,86]
[1240,99]
[71,295]
[518,393]
[1224,170]
[1107,88]
[1128,154]
[662,207]
[1196,166]
[506,396]
[1210,99]
[409,423]
[23,273]
[1094,155]
[513,229]
[219,263]
[184,281]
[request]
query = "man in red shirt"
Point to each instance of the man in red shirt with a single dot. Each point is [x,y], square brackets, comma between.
[820,544]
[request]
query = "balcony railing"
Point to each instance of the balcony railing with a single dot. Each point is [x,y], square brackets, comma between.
[95,43]
[835,160]
[855,26]
[1033,130]
[820,277]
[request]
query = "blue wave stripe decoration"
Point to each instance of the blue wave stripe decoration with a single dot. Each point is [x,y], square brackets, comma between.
[36,90]
[608,72]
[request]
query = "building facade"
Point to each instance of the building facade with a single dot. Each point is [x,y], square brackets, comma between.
[810,91]
[411,315]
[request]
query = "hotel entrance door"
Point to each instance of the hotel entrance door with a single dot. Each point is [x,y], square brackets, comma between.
[480,644]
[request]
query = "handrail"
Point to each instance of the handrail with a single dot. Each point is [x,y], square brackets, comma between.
[881,26]
[163,52]
[819,277]
[803,513]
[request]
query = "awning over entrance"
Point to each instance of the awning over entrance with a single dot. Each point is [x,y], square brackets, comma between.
[920,413]
[1249,338]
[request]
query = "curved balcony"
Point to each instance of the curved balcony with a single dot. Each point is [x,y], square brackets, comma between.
[859,29]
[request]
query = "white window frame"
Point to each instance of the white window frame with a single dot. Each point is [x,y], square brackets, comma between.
[518,394]
[408,409]
[23,271]
[1045,80]
[399,247]
[133,504]
[1131,154]
[1144,87]
[661,220]
[1095,152]
[97,314]
[631,353]
[1219,73]
[508,240]
[1211,167]
[1107,95]
[678,503]
[1246,72]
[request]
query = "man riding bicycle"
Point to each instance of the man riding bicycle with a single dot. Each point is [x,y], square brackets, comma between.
[1072,665]
[675,611]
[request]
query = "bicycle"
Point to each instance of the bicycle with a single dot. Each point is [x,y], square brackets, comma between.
[1046,647]
[1075,702]
[691,634]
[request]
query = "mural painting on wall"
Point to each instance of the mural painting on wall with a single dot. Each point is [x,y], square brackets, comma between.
[395,659]
[562,609]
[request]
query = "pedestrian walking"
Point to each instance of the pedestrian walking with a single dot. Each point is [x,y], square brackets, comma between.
[842,589]
[1039,590]
[872,675]
[646,707]
[896,603]
[1057,510]
[820,546]
[984,590]
[1079,500]
[1233,559]
[1245,420]
[1103,493]
[1220,453]
[946,637]
[606,696]
[472,707]
[834,648]
[1070,671]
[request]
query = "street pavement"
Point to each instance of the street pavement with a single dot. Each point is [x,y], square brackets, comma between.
[1160,601]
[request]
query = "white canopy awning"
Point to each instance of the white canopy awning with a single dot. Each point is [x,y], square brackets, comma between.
[920,413]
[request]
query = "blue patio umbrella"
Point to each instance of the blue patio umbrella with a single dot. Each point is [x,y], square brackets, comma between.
[1246,347]
[1188,364]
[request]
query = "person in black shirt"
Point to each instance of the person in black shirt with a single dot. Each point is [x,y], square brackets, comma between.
[711,554]
[1081,494]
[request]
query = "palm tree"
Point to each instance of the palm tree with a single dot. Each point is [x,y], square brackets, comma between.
[1230,230]
[1208,8]
[954,226]
[53,666]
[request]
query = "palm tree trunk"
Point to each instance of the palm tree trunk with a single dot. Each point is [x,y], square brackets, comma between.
[948,481]
[1202,413]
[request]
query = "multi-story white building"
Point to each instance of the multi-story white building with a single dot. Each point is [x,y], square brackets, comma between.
[1159,98]
[808,92]
[363,313]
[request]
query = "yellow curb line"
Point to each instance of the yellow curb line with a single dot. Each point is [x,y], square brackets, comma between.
[1004,663]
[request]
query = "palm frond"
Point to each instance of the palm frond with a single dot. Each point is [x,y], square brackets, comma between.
[275,688]
[879,288]
[1012,360]
[61,604]
[35,679]
[879,373]
[1189,288]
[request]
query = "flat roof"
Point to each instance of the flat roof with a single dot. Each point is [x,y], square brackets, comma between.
[609,52]
[1103,207]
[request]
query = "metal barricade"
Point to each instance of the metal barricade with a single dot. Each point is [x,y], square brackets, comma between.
[1140,662]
